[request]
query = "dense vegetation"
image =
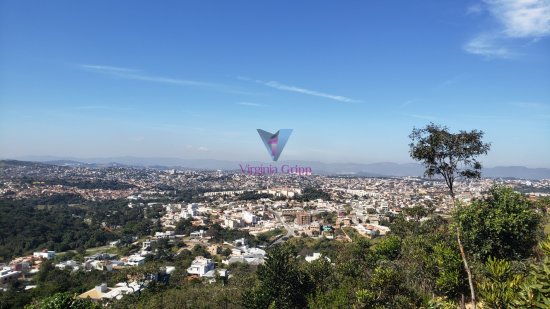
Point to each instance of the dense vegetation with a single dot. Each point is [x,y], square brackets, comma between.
[310,194]
[55,223]
[250,195]
[91,184]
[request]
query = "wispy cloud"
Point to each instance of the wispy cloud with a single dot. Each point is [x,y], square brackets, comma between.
[489,46]
[280,86]
[252,104]
[106,68]
[407,103]
[139,75]
[450,81]
[517,19]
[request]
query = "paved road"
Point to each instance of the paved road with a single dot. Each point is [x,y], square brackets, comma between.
[289,228]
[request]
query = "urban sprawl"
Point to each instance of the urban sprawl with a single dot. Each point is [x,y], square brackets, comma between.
[283,206]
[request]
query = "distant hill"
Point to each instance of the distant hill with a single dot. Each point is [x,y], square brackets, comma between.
[517,172]
[382,169]
[10,162]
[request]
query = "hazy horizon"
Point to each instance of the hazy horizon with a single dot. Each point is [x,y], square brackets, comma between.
[151,159]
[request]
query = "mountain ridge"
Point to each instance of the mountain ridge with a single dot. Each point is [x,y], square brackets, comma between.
[378,169]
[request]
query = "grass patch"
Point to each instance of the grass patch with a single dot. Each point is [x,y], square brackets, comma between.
[352,233]
[269,235]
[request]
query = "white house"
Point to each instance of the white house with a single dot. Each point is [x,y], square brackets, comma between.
[8,275]
[70,264]
[104,292]
[315,256]
[253,256]
[200,266]
[135,260]
[197,234]
[102,265]
[166,234]
[45,254]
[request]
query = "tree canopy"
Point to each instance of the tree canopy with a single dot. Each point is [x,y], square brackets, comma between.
[447,154]
[504,225]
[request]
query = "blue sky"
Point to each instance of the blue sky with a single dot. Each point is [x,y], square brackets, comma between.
[195,79]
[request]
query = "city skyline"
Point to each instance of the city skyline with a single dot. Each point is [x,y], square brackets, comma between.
[195,80]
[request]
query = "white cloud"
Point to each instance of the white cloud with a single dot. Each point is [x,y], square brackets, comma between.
[280,86]
[517,19]
[522,18]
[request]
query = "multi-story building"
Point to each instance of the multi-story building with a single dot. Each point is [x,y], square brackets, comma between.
[249,218]
[303,218]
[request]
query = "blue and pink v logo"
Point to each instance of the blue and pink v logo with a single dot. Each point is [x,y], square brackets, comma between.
[275,142]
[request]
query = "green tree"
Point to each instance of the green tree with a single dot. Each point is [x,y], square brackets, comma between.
[339,296]
[418,212]
[448,155]
[450,273]
[535,292]
[185,226]
[452,156]
[320,273]
[352,260]
[389,248]
[386,288]
[503,225]
[282,283]
[498,289]
[64,301]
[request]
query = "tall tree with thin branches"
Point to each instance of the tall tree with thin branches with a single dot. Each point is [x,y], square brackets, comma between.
[452,156]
